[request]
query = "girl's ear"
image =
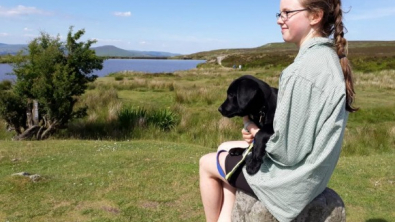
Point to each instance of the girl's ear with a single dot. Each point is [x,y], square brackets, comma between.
[316,17]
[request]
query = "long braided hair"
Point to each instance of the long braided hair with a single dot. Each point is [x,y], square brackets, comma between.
[332,24]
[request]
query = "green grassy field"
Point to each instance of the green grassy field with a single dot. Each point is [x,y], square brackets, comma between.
[100,181]
[95,171]
[149,181]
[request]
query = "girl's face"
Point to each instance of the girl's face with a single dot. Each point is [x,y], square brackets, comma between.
[295,26]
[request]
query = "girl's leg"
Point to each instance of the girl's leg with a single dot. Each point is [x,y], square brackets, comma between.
[228,202]
[217,195]
[211,186]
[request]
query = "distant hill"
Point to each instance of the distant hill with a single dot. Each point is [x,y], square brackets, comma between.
[360,48]
[364,56]
[11,48]
[108,51]
[365,48]
[113,51]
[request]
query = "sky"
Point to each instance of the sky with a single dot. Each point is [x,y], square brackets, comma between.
[177,26]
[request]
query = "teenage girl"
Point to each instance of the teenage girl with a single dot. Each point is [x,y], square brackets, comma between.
[315,96]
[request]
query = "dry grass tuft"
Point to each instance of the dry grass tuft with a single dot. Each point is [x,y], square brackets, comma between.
[113,110]
[392,132]
[382,80]
[92,117]
[225,124]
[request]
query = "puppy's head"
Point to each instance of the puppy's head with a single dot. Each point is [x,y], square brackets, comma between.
[244,97]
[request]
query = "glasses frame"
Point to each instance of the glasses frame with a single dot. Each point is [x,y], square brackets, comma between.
[285,18]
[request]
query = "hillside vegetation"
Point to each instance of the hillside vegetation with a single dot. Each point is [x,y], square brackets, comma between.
[360,47]
[365,56]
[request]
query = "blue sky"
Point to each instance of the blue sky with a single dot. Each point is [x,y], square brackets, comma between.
[178,26]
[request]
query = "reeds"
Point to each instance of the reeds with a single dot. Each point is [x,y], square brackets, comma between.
[182,107]
[195,95]
[381,80]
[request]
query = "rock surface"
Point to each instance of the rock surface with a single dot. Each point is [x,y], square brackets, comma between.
[326,207]
[33,177]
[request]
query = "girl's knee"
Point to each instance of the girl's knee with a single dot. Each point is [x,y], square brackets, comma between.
[202,160]
[208,164]
[206,160]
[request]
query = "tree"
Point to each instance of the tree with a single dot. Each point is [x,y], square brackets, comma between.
[13,111]
[54,74]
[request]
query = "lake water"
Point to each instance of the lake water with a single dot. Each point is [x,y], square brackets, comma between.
[117,65]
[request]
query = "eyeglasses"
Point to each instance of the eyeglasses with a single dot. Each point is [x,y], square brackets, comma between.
[284,14]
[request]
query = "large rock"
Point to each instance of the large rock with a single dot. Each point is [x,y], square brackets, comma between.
[326,207]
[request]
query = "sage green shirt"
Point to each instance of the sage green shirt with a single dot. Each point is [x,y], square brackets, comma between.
[308,126]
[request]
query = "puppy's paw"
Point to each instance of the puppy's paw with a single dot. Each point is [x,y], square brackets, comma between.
[237,151]
[253,167]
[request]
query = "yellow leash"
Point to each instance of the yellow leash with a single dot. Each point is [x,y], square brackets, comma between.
[228,175]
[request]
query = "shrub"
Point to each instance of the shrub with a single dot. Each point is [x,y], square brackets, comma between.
[53,74]
[118,78]
[5,85]
[163,119]
[129,117]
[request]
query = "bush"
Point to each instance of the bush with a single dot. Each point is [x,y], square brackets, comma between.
[277,60]
[13,111]
[162,119]
[5,85]
[129,117]
[54,74]
[118,78]
[369,64]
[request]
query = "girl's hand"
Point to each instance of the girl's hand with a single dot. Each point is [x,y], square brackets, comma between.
[249,130]
[247,136]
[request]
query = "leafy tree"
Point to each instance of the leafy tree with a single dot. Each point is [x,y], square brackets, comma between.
[13,111]
[54,74]
[5,85]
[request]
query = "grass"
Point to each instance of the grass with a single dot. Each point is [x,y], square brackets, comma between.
[154,172]
[100,181]
[196,95]
[367,186]
[149,181]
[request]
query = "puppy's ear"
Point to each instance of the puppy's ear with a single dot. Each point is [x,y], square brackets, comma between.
[246,91]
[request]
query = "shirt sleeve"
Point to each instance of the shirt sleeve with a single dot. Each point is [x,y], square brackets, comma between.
[295,121]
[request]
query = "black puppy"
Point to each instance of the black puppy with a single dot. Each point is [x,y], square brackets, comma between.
[252,97]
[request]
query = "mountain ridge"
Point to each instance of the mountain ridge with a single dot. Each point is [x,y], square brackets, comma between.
[358,46]
[105,51]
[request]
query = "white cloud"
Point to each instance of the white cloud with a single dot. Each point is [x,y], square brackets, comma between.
[143,43]
[123,14]
[371,14]
[4,34]
[27,30]
[21,10]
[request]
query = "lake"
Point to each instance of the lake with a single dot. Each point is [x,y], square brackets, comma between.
[117,65]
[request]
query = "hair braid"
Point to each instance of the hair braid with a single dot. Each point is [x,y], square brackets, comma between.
[342,51]
[332,23]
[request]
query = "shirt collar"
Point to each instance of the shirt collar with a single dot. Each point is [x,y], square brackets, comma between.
[312,42]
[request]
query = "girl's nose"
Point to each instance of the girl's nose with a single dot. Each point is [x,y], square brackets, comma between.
[280,21]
